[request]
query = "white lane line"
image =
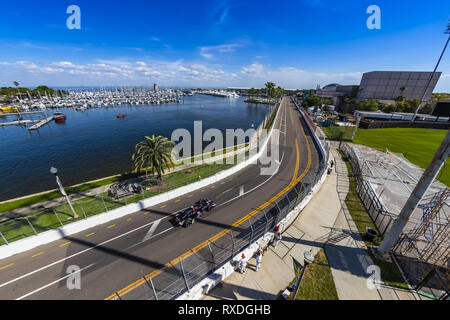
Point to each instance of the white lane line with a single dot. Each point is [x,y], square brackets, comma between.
[52,283]
[241,190]
[265,181]
[78,253]
[155,235]
[151,230]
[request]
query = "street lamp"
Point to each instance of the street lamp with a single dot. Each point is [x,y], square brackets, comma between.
[54,171]
[447,31]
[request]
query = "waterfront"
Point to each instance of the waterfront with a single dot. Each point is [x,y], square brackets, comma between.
[94,143]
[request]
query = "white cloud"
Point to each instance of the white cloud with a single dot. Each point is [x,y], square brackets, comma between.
[168,73]
[209,52]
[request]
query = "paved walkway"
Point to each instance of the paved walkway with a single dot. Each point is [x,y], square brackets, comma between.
[324,223]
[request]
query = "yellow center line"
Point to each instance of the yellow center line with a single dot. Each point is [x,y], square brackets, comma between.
[129,219]
[163,206]
[146,212]
[90,234]
[190,195]
[203,190]
[37,254]
[175,261]
[64,244]
[178,200]
[7,266]
[111,226]
[222,182]
[213,187]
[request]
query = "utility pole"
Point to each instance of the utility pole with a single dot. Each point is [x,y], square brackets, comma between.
[421,188]
[432,74]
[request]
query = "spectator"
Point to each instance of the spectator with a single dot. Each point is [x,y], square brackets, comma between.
[277,239]
[243,264]
[258,260]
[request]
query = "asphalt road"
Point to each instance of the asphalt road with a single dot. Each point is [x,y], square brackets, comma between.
[114,257]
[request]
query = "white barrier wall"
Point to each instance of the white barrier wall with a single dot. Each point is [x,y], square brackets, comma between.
[75,227]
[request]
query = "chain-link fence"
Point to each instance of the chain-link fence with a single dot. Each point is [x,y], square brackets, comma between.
[380,216]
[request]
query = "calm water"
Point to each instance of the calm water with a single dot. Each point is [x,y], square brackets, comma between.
[95,144]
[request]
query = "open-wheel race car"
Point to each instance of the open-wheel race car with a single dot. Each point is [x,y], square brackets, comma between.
[187,216]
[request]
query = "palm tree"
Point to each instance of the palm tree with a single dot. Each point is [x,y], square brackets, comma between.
[154,153]
[17,86]
[270,89]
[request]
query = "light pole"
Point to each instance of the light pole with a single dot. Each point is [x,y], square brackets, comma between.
[54,171]
[432,74]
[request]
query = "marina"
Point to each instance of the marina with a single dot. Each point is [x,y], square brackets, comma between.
[83,99]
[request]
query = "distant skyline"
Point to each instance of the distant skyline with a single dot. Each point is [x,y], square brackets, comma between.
[296,44]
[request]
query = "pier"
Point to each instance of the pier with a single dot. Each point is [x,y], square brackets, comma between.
[17,123]
[41,123]
[19,114]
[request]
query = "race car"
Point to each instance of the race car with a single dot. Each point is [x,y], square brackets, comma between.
[187,216]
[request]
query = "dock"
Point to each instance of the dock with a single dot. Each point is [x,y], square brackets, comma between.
[19,113]
[17,123]
[41,123]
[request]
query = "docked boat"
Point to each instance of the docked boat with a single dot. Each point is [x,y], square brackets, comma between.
[120,116]
[59,117]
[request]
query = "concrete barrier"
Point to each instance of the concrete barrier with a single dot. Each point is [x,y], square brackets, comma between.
[75,227]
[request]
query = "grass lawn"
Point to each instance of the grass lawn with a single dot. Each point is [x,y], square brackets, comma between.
[389,271]
[317,282]
[417,145]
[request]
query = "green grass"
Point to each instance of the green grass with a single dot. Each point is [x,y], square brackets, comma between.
[7,206]
[417,145]
[389,271]
[317,282]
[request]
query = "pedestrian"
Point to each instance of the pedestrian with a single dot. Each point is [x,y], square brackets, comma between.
[277,239]
[258,260]
[332,163]
[242,263]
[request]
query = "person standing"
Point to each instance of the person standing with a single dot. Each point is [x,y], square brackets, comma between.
[243,264]
[277,239]
[258,260]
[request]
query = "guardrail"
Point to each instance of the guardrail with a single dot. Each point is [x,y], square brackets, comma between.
[211,262]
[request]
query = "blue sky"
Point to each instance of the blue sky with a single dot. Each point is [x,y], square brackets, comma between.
[296,44]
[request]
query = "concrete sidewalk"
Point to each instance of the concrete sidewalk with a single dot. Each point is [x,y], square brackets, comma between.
[324,223]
